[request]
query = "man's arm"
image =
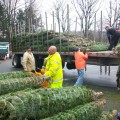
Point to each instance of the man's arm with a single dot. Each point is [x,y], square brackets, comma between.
[54,67]
[85,56]
[24,61]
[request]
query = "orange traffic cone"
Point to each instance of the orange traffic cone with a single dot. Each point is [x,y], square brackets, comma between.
[5,58]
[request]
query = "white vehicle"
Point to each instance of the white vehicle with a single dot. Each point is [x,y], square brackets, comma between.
[4,50]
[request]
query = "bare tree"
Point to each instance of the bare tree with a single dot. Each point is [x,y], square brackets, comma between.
[60,8]
[113,13]
[32,22]
[10,7]
[86,10]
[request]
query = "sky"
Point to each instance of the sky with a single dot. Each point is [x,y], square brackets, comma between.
[43,6]
[48,6]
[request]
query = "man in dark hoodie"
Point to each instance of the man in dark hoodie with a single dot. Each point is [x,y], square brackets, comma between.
[113,35]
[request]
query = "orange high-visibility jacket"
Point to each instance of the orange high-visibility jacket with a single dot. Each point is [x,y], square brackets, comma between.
[46,83]
[80,60]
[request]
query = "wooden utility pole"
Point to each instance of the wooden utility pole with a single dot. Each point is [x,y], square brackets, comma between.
[95,28]
[68,25]
[101,27]
[76,26]
[46,27]
[59,30]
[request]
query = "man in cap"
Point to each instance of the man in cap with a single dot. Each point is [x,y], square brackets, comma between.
[80,63]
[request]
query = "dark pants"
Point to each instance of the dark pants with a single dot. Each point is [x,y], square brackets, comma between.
[118,82]
[118,76]
[114,40]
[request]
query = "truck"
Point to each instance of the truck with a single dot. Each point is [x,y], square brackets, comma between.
[41,41]
[4,50]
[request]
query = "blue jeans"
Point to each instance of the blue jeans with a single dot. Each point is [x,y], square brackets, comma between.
[79,81]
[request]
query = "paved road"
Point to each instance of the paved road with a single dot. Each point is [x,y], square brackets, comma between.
[6,66]
[92,74]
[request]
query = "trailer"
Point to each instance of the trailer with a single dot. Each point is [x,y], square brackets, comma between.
[102,58]
[41,41]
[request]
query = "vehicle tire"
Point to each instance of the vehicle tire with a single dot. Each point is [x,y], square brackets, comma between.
[10,57]
[39,62]
[63,64]
[70,65]
[16,61]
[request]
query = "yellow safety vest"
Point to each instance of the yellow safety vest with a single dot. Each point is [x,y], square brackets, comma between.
[54,70]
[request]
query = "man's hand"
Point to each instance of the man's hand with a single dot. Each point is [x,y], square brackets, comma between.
[84,51]
[46,77]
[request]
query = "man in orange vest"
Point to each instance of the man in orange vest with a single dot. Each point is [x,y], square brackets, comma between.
[80,63]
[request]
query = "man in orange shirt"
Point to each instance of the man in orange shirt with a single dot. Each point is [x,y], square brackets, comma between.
[80,63]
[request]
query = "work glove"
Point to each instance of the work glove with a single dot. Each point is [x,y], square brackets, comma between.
[37,69]
[46,77]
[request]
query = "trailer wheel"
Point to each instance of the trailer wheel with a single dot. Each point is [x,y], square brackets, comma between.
[16,61]
[63,64]
[70,65]
[39,62]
